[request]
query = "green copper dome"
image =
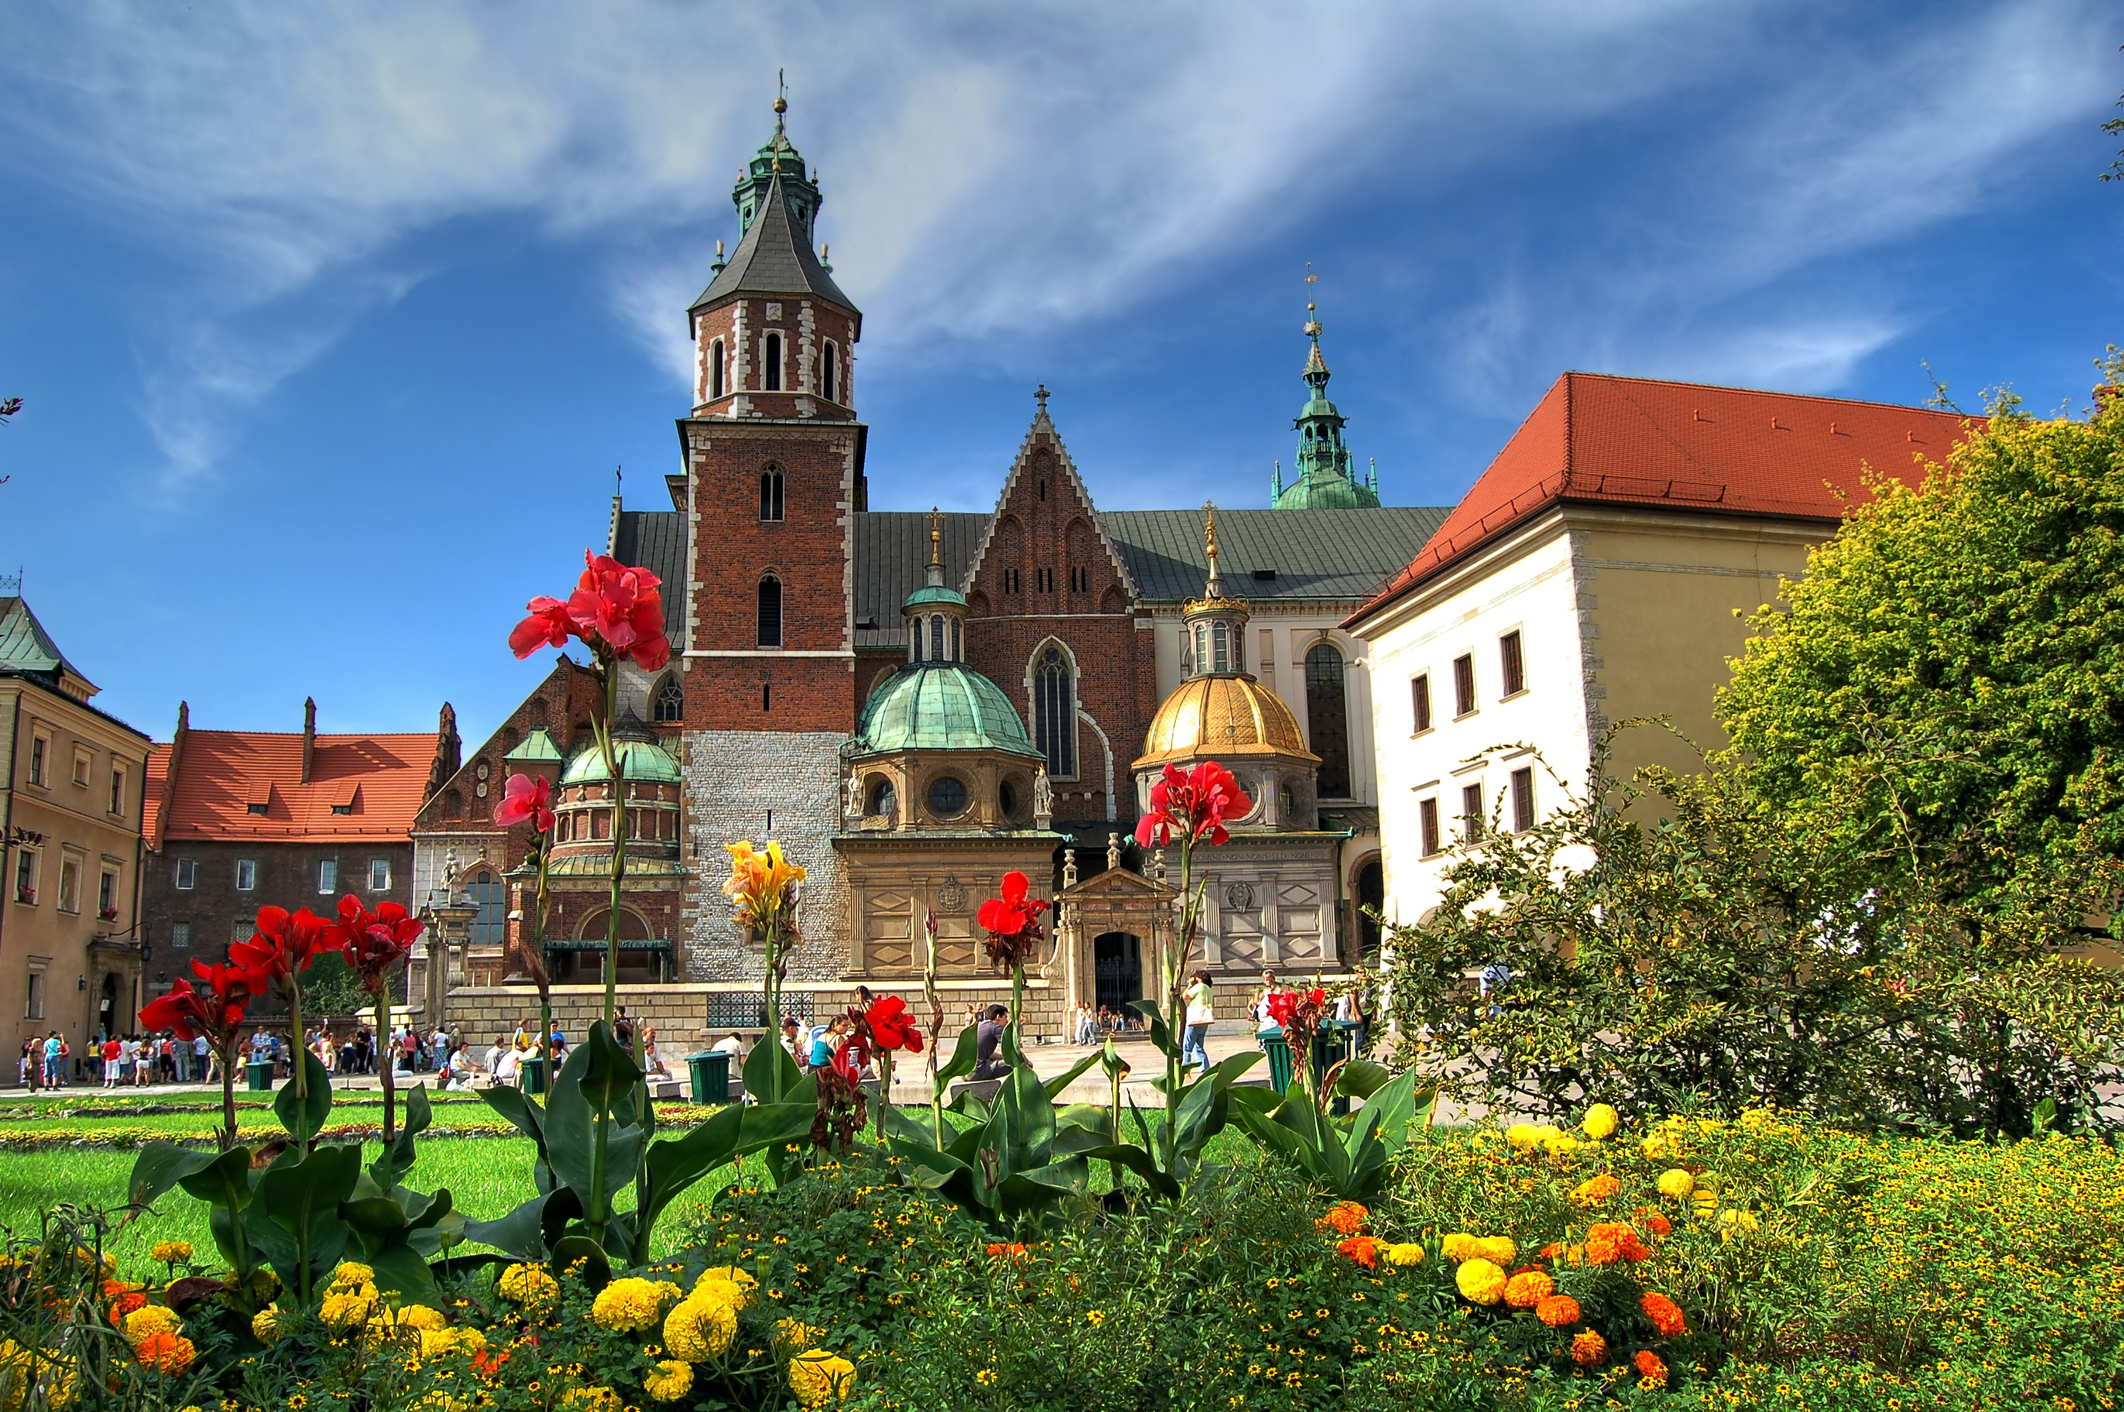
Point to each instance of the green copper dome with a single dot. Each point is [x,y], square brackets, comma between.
[638,760]
[940,706]
[921,597]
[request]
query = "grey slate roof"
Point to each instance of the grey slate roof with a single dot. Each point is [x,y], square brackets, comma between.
[773,259]
[656,540]
[1317,555]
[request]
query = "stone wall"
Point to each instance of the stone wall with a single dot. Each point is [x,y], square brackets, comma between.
[761,785]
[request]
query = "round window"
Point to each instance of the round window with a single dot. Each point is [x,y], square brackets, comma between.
[947,796]
[1007,796]
[882,798]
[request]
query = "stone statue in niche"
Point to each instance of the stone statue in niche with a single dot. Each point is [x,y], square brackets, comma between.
[854,807]
[1043,797]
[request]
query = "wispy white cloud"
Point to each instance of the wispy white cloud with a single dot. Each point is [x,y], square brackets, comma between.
[991,173]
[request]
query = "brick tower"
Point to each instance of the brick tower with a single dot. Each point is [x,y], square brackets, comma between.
[773,473]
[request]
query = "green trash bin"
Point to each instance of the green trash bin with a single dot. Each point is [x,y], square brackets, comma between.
[1278,1050]
[258,1076]
[1336,1042]
[534,1076]
[711,1076]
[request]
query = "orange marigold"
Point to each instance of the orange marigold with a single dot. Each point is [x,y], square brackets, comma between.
[1610,1241]
[1654,1222]
[1650,1368]
[1665,1314]
[1595,1190]
[1013,1251]
[1589,1349]
[1363,1249]
[167,1353]
[1344,1218]
[1528,1288]
[1553,1249]
[1558,1311]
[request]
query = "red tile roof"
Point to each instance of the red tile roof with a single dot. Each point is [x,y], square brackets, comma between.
[221,772]
[1681,446]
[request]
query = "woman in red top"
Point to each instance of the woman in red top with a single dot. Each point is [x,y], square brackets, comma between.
[112,1049]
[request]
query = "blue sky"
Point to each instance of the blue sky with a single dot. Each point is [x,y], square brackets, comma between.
[333,320]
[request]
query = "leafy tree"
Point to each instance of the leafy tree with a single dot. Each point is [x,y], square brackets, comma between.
[1942,704]
[1711,959]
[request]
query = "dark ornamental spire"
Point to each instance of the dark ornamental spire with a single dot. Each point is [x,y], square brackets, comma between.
[1325,479]
[777,199]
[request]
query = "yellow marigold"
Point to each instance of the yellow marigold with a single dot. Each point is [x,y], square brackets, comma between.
[1404,1253]
[593,1399]
[345,1309]
[1594,1190]
[151,1320]
[529,1286]
[171,1252]
[795,1335]
[353,1275]
[1526,1135]
[1500,1250]
[265,1325]
[1344,1218]
[420,1316]
[819,1379]
[1600,1122]
[1589,1349]
[630,1303]
[1653,1147]
[1736,1220]
[167,1353]
[669,1381]
[1528,1288]
[1459,1246]
[700,1328]
[736,1276]
[1676,1183]
[1480,1280]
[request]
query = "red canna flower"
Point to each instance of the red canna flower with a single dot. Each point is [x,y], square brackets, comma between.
[547,626]
[286,944]
[528,797]
[216,1011]
[1012,921]
[1284,1006]
[376,943]
[1193,804]
[890,1026]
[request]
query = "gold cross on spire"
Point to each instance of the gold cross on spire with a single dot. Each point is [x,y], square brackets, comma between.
[936,538]
[1312,324]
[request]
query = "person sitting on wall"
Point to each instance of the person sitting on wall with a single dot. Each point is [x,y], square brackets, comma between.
[653,1064]
[732,1044]
[825,1042]
[988,1062]
[792,1034]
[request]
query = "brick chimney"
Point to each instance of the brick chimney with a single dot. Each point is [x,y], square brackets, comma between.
[169,775]
[309,736]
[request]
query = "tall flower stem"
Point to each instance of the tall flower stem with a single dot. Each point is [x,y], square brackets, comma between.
[619,836]
[773,937]
[545,984]
[383,1032]
[227,1054]
[1017,995]
[936,1024]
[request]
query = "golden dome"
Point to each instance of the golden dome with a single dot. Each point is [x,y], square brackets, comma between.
[1221,716]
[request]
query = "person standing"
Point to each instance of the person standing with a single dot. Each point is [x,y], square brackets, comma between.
[54,1061]
[112,1068]
[1201,1011]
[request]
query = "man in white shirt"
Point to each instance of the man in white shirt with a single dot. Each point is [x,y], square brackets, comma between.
[729,1044]
[495,1052]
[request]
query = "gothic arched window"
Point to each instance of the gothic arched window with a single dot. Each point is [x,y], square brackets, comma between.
[1055,713]
[715,370]
[832,380]
[936,637]
[772,371]
[770,612]
[771,494]
[1327,712]
[671,701]
[916,656]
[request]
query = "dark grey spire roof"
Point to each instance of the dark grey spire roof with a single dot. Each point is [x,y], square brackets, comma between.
[773,258]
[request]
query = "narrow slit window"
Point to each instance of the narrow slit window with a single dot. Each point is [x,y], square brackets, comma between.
[1463,685]
[1523,799]
[833,373]
[1427,812]
[771,370]
[715,370]
[1420,702]
[771,494]
[1471,812]
[936,637]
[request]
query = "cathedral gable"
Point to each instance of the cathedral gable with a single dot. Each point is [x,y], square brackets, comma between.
[1046,550]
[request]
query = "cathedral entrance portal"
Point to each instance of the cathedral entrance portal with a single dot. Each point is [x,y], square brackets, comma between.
[1117,962]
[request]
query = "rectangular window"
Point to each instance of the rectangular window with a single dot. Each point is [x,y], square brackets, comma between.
[1011,580]
[26,867]
[107,897]
[246,874]
[180,936]
[69,884]
[1420,702]
[1522,799]
[1463,685]
[82,761]
[187,874]
[242,929]
[118,789]
[379,874]
[39,749]
[328,875]
[1514,663]
[33,999]
[1471,812]
[1427,812]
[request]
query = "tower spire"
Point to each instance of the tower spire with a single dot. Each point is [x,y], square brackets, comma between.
[1325,479]
[1214,589]
[935,573]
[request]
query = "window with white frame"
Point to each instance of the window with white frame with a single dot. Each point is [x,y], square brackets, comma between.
[1512,663]
[328,875]
[1427,817]
[107,895]
[246,874]
[40,758]
[33,997]
[1471,811]
[28,863]
[1463,685]
[379,875]
[187,874]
